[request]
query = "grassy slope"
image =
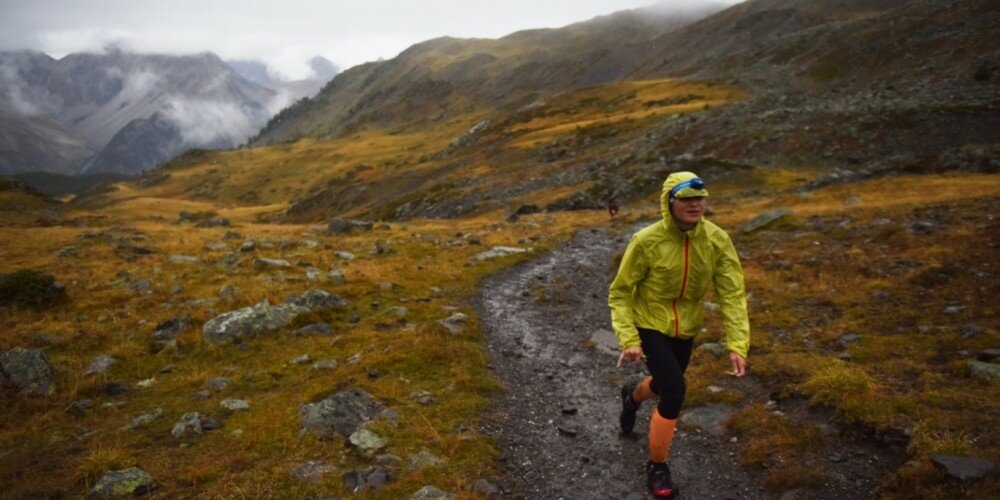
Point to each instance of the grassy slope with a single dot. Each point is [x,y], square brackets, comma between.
[906,373]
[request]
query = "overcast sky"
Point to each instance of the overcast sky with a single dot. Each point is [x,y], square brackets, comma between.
[284,33]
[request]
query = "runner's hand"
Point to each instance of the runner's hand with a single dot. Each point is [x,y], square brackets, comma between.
[739,364]
[630,355]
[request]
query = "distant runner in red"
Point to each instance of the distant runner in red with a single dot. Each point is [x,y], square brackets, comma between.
[656,310]
[613,207]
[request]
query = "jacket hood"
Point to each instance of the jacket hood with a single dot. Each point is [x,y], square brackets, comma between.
[673,180]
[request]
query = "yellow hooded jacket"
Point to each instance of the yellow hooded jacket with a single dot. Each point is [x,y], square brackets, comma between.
[665,273]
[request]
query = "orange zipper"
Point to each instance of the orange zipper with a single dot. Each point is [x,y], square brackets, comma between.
[684,281]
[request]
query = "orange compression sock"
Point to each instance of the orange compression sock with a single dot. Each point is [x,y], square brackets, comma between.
[661,433]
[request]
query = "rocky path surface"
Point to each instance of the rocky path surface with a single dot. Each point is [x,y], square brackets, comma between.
[548,333]
[547,327]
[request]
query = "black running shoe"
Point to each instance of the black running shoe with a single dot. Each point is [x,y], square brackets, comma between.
[629,406]
[660,483]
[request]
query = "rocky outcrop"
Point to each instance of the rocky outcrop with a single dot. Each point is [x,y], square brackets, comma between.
[264,318]
[29,370]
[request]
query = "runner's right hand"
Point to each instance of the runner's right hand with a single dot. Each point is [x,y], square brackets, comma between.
[630,355]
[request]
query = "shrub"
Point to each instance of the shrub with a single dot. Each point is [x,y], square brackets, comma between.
[29,288]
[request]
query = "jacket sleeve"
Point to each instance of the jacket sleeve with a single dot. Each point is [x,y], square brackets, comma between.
[631,271]
[728,280]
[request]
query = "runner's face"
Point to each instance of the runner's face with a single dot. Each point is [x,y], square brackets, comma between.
[688,211]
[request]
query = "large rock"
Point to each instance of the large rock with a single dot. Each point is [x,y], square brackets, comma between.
[455,323]
[123,483]
[264,317]
[29,370]
[193,422]
[342,226]
[707,418]
[496,252]
[968,470]
[987,372]
[340,414]
[765,219]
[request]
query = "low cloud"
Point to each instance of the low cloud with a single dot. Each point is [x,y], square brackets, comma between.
[211,123]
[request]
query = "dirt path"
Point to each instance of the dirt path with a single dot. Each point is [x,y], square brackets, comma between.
[548,334]
[558,421]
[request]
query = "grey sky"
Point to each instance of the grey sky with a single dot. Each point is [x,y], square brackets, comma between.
[285,33]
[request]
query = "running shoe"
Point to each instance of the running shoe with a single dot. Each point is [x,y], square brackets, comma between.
[660,483]
[629,406]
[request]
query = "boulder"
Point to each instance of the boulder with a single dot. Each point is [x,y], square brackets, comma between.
[123,483]
[340,414]
[193,422]
[233,404]
[249,321]
[317,299]
[144,420]
[366,441]
[708,418]
[968,470]
[29,370]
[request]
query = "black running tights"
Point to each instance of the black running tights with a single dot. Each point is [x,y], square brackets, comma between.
[667,358]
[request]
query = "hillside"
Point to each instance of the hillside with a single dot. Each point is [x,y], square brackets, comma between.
[405,348]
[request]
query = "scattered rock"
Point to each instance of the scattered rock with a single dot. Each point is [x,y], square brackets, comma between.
[348,256]
[233,404]
[987,372]
[424,459]
[921,227]
[262,264]
[140,286]
[340,414]
[68,251]
[423,397]
[217,222]
[765,219]
[485,488]
[301,359]
[29,370]
[317,299]
[398,311]
[455,323]
[343,226]
[328,364]
[231,235]
[184,259]
[217,245]
[988,355]
[248,246]
[374,478]
[227,291]
[171,329]
[193,422]
[100,365]
[847,339]
[219,383]
[336,277]
[366,441]
[496,252]
[311,471]
[144,420]
[312,274]
[315,329]
[122,483]
[968,470]
[387,459]
[431,493]
[79,408]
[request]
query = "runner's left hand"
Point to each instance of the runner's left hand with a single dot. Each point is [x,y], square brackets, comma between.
[739,364]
